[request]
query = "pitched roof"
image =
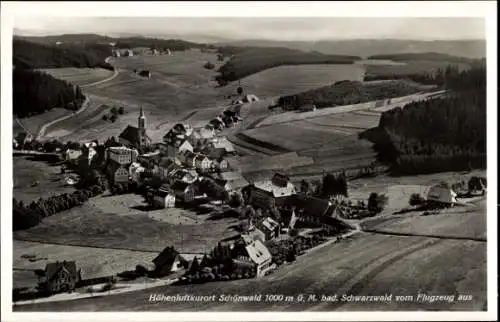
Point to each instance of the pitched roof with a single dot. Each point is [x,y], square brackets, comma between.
[274,190]
[258,252]
[311,206]
[230,175]
[223,143]
[179,185]
[166,257]
[269,223]
[131,134]
[280,180]
[51,269]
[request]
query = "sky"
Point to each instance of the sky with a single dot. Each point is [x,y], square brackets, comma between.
[308,29]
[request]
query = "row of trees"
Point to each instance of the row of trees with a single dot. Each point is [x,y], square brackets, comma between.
[332,185]
[439,134]
[347,92]
[36,92]
[27,216]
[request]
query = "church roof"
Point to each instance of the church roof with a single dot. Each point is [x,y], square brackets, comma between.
[131,134]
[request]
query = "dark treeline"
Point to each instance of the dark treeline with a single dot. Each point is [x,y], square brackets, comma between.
[427,56]
[30,55]
[348,92]
[25,216]
[35,92]
[440,134]
[246,61]
[172,44]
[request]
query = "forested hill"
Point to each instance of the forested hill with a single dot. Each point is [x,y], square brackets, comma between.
[30,55]
[440,134]
[35,92]
[427,56]
[93,40]
[245,61]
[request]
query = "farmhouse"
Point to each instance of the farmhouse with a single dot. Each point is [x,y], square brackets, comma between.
[231,181]
[202,135]
[255,252]
[269,227]
[217,123]
[180,174]
[220,163]
[136,136]
[23,138]
[145,73]
[442,194]
[166,166]
[223,145]
[164,261]
[60,277]
[269,193]
[122,155]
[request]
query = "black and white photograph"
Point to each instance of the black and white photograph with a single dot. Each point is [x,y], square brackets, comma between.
[176,162]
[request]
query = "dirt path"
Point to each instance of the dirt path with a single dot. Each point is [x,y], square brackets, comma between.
[84,106]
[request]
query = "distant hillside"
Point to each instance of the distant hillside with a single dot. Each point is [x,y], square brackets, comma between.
[30,55]
[120,42]
[349,92]
[425,56]
[370,47]
[245,61]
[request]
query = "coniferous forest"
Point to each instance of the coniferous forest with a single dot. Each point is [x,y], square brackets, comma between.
[440,134]
[36,92]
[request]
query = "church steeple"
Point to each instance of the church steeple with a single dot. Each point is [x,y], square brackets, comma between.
[142,128]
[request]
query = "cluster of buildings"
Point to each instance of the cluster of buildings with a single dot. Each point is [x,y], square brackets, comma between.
[140,51]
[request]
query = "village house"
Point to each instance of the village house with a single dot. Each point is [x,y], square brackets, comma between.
[89,152]
[442,194]
[22,138]
[135,171]
[220,164]
[145,73]
[170,260]
[184,175]
[184,191]
[202,135]
[269,193]
[178,131]
[202,162]
[217,123]
[136,136]
[231,181]
[117,172]
[269,227]
[166,166]
[255,252]
[304,208]
[72,155]
[130,53]
[59,277]
[164,198]
[220,147]
[122,155]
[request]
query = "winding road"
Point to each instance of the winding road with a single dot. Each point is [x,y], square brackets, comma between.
[84,106]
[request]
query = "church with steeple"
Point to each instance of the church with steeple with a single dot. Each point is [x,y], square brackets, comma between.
[136,136]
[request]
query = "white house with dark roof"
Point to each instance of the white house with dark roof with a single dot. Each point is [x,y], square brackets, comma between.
[122,155]
[164,198]
[269,193]
[269,227]
[254,251]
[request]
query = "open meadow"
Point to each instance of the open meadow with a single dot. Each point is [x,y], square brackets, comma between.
[34,123]
[94,262]
[35,179]
[125,222]
[79,76]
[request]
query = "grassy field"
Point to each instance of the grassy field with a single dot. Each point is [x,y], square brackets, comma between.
[94,262]
[124,222]
[34,123]
[363,265]
[412,67]
[293,79]
[79,76]
[27,170]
